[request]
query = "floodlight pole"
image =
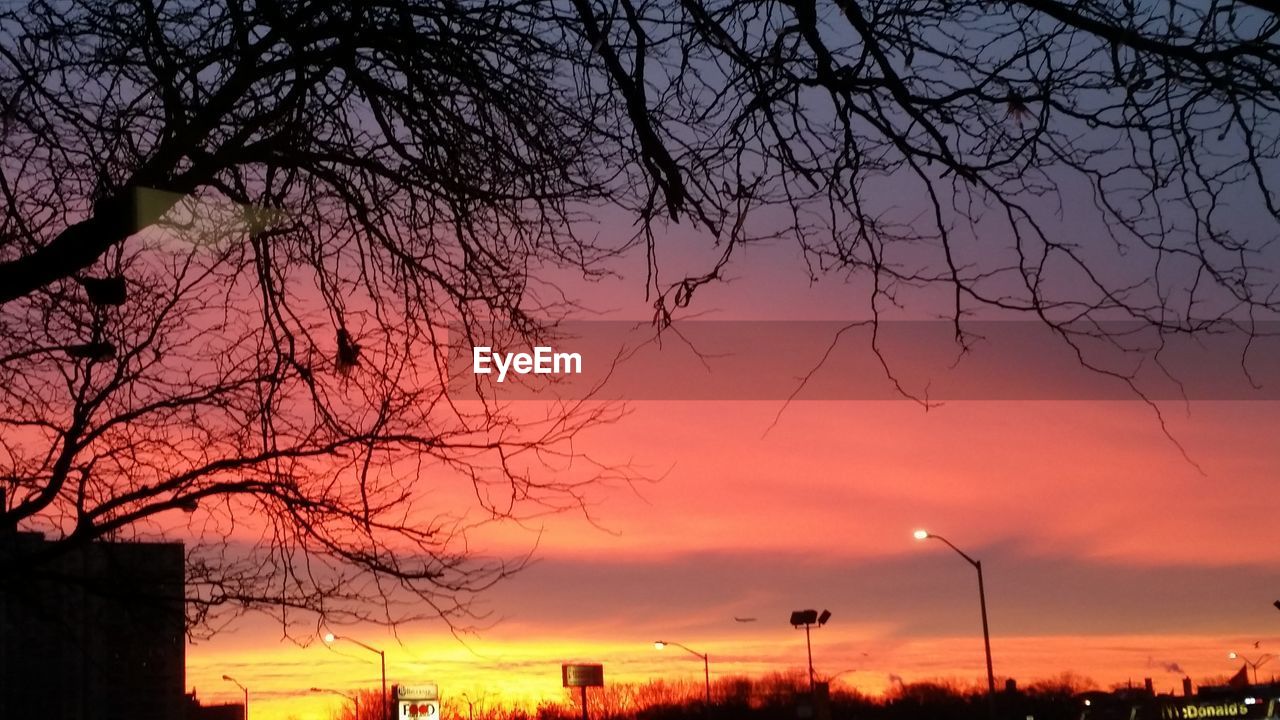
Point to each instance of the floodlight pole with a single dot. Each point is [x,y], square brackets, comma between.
[808,645]
[807,618]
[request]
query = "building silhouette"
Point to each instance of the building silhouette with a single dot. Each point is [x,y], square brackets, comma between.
[218,711]
[93,632]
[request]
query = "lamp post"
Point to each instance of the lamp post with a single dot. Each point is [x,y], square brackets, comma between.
[982,601]
[831,678]
[1253,664]
[808,618]
[706,663]
[330,638]
[355,701]
[230,679]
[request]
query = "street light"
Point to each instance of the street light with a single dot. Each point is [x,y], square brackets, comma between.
[706,663]
[330,638]
[230,679]
[982,601]
[355,701]
[1253,664]
[808,618]
[830,679]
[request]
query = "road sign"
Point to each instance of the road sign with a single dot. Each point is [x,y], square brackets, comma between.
[579,675]
[582,676]
[418,709]
[421,691]
[418,702]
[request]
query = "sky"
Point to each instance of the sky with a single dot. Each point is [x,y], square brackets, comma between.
[1119,539]
[1114,544]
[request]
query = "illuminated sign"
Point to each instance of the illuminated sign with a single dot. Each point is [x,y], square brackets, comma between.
[418,702]
[1206,711]
[582,675]
[418,710]
[1231,709]
[424,691]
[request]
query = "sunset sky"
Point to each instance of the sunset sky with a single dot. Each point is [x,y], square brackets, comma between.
[1007,273]
[1108,552]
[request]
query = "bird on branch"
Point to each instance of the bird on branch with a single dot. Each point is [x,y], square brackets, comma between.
[348,352]
[108,290]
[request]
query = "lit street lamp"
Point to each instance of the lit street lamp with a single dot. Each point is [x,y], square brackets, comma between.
[230,679]
[808,618]
[330,638]
[706,663]
[1253,664]
[355,701]
[982,601]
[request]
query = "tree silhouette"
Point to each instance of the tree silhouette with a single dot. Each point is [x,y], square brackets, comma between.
[234,238]
[1091,160]
[1103,168]
[771,696]
[233,232]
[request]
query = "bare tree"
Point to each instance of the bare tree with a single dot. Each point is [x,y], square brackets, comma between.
[1067,162]
[234,239]
[234,231]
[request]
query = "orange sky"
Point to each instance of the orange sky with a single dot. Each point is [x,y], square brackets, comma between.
[1106,553]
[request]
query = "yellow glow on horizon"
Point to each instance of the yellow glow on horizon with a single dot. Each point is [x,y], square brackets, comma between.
[853,480]
[527,672]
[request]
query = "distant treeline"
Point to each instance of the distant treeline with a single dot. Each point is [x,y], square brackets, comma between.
[785,696]
[778,696]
